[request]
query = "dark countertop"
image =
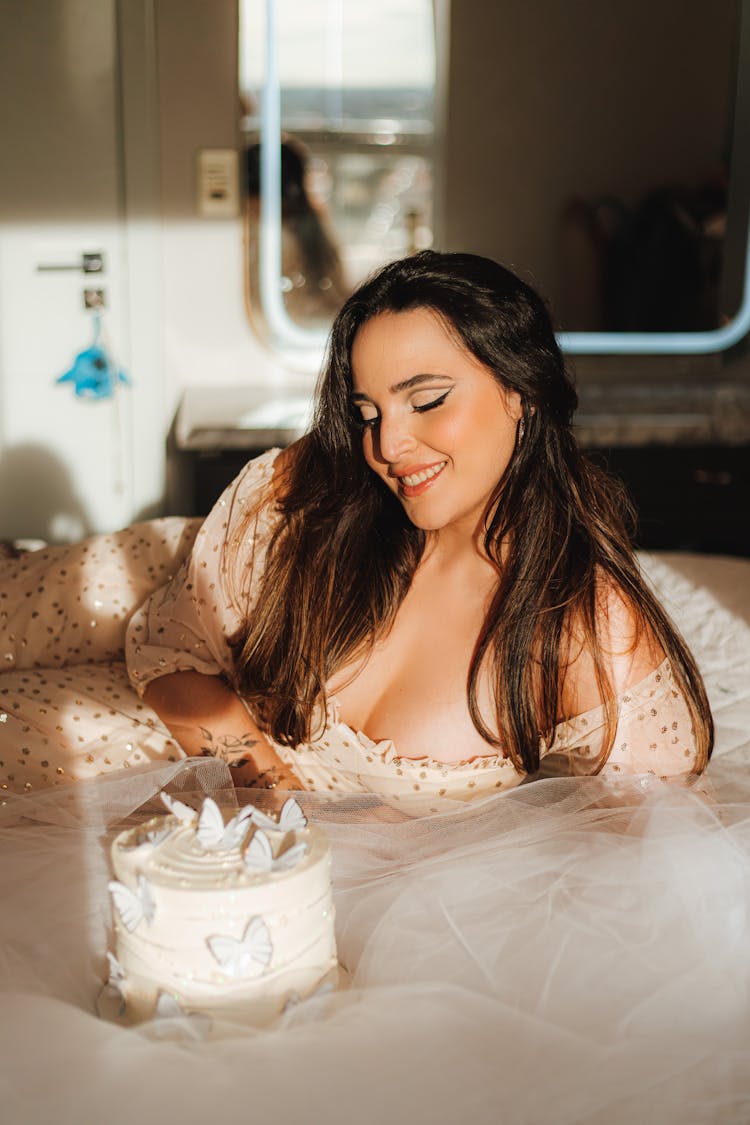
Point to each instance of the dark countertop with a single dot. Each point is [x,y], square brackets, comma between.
[611,413]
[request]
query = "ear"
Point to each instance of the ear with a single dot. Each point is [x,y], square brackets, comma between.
[514,405]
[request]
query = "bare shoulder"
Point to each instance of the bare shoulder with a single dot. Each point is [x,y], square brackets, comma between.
[628,651]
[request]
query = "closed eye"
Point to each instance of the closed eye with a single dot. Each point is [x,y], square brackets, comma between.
[418,408]
[433,403]
[365,423]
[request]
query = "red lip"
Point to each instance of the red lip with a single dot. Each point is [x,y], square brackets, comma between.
[411,469]
[410,490]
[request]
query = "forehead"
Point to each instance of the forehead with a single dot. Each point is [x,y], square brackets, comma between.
[394,346]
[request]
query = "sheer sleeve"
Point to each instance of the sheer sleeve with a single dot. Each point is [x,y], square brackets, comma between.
[189,623]
[654,732]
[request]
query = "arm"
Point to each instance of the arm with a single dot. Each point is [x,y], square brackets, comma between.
[629,655]
[178,646]
[654,732]
[208,718]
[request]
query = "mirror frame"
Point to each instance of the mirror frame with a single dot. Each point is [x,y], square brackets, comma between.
[304,348]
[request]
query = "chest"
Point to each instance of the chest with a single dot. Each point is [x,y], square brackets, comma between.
[413,686]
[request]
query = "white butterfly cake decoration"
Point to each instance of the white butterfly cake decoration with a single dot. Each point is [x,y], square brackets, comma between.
[133,906]
[300,1009]
[214,835]
[168,1007]
[259,855]
[291,818]
[110,1003]
[116,971]
[238,957]
[171,1020]
[179,809]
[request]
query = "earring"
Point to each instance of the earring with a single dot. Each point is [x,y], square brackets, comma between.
[520,431]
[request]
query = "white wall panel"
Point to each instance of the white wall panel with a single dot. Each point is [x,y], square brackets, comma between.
[69,466]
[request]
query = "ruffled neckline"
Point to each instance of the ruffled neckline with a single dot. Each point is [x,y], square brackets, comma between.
[565,731]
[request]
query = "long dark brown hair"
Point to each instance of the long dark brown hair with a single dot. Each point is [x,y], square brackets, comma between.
[319,257]
[557,527]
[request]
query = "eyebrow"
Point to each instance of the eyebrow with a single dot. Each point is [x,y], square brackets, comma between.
[404,385]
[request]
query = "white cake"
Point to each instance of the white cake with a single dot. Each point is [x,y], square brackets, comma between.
[229,921]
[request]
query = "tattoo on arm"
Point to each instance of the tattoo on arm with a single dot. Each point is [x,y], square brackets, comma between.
[231,748]
[269,779]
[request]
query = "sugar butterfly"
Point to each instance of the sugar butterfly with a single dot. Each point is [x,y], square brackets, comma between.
[236,957]
[116,971]
[291,818]
[179,809]
[192,1025]
[259,855]
[300,1009]
[133,906]
[213,834]
[110,1003]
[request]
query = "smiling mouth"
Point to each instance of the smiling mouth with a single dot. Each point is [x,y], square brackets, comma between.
[413,483]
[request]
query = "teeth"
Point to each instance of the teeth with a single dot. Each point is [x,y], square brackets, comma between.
[426,474]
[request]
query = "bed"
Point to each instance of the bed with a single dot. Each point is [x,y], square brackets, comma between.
[566,951]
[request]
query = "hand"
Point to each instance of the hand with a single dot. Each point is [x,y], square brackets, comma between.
[252,764]
[246,775]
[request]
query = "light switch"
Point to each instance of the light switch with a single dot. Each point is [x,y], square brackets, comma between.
[218,183]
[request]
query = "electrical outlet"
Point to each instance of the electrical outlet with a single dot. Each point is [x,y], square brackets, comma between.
[218,183]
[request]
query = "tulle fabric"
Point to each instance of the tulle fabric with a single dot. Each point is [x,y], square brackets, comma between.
[572,950]
[559,952]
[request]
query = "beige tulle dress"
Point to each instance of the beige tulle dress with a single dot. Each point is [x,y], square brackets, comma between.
[68,710]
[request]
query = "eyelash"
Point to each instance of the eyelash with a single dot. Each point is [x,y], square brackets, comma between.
[370,423]
[431,405]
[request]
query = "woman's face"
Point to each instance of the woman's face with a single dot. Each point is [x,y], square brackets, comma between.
[438,427]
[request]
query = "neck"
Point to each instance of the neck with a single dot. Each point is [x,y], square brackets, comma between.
[455,547]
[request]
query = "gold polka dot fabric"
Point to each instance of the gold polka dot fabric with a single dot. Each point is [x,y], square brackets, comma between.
[654,732]
[346,761]
[188,623]
[72,723]
[67,708]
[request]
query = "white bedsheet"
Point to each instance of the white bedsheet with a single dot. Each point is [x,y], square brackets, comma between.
[562,952]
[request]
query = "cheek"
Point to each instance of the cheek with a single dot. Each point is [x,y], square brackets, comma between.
[486,437]
[464,431]
[368,451]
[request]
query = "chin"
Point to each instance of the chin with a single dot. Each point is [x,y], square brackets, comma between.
[419,519]
[469,523]
[424,519]
[426,524]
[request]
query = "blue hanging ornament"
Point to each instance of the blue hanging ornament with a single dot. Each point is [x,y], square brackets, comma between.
[94,374]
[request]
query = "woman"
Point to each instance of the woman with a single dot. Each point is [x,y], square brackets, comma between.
[311,262]
[434,564]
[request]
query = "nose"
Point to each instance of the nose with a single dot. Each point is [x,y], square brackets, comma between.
[394,438]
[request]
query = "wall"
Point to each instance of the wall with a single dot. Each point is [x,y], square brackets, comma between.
[99,153]
[99,157]
[513,65]
[207,335]
[65,465]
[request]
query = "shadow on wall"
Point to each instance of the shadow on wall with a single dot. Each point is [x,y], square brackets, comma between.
[37,497]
